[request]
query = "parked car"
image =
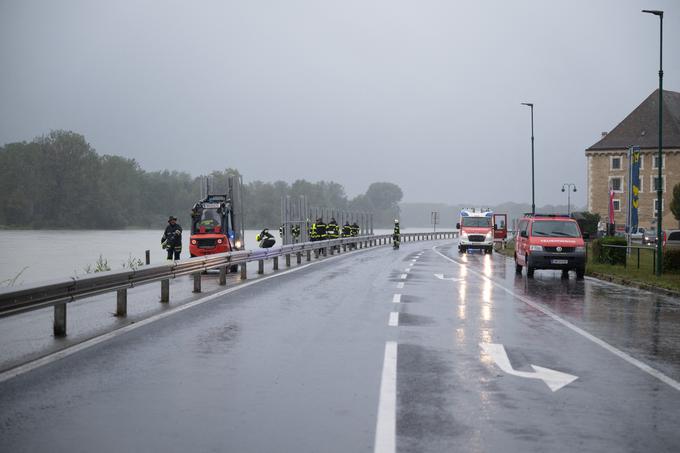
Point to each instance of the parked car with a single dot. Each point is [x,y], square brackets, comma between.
[672,239]
[547,241]
[637,235]
[649,238]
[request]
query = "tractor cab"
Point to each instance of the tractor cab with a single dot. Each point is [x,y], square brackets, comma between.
[213,225]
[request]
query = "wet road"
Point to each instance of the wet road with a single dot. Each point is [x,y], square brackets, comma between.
[374,351]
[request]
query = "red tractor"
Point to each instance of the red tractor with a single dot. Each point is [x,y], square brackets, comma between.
[213,223]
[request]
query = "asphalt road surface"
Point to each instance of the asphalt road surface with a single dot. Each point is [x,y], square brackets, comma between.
[415,350]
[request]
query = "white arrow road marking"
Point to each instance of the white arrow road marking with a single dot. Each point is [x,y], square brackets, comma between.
[555,380]
[441,277]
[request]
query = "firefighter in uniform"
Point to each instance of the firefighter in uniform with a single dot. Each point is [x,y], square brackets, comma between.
[172,238]
[333,230]
[355,230]
[295,233]
[313,233]
[396,236]
[318,233]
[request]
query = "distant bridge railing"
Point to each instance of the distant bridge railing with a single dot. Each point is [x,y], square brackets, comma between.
[59,293]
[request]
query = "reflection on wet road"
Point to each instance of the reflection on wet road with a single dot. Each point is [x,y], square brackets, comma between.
[644,324]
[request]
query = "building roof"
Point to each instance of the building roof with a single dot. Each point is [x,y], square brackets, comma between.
[641,126]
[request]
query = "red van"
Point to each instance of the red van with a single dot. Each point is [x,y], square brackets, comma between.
[549,241]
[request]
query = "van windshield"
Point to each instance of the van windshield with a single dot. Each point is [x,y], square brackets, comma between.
[551,228]
[482,222]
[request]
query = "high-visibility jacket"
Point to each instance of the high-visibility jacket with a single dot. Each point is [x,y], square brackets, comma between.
[346,230]
[172,237]
[355,229]
[321,231]
[332,230]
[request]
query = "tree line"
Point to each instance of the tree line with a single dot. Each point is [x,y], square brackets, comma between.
[59,181]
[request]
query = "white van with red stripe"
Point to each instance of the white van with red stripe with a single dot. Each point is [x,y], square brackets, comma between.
[475,230]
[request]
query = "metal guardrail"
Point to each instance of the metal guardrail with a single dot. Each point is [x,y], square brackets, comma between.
[59,293]
[630,248]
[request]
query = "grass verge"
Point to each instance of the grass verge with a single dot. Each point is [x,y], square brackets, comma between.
[630,275]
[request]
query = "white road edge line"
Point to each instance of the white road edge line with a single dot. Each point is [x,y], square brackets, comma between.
[394,319]
[386,425]
[400,285]
[633,361]
[396,298]
[30,366]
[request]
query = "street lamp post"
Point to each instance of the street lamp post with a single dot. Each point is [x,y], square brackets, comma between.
[533,199]
[659,189]
[565,188]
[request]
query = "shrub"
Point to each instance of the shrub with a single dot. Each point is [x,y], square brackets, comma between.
[610,255]
[596,250]
[671,260]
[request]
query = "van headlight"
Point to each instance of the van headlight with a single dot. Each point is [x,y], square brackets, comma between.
[489,236]
[536,248]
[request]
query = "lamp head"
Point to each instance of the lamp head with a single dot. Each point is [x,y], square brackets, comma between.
[562,188]
[574,188]
[656,12]
[528,104]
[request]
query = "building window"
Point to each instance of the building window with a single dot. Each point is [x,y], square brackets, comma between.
[656,206]
[642,161]
[655,162]
[642,184]
[617,204]
[615,162]
[616,183]
[654,183]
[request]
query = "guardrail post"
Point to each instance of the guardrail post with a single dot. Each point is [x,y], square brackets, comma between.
[244,271]
[121,302]
[309,255]
[223,276]
[344,247]
[148,257]
[299,257]
[332,250]
[60,320]
[275,264]
[197,282]
[288,260]
[165,290]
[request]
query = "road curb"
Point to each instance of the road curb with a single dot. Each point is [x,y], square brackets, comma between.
[633,283]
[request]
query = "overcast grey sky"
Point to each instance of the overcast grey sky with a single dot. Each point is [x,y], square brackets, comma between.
[425,94]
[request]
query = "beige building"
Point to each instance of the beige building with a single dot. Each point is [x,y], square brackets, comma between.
[608,162]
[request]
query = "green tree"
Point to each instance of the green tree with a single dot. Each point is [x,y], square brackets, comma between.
[675,202]
[587,221]
[383,199]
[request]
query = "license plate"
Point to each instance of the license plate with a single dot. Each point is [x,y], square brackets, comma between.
[559,261]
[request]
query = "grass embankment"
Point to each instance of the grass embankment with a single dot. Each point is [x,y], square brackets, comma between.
[631,275]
